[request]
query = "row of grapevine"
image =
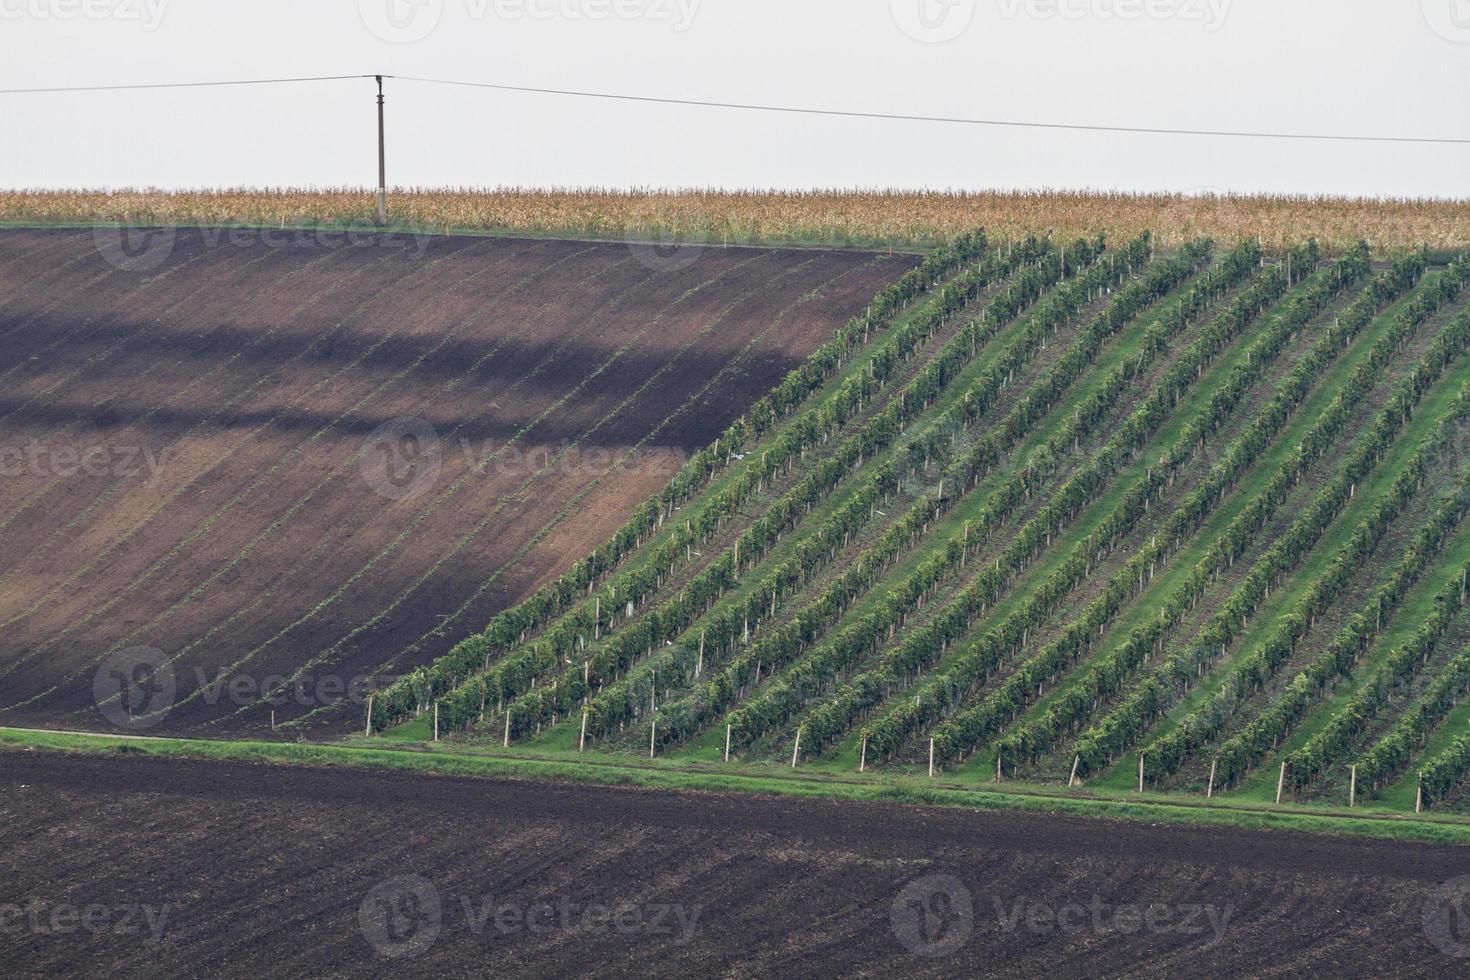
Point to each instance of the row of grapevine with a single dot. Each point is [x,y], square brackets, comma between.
[940,694]
[690,714]
[809,677]
[1128,720]
[1107,675]
[605,664]
[1178,674]
[630,694]
[1446,770]
[1330,743]
[1271,727]
[511,626]
[962,735]
[1386,758]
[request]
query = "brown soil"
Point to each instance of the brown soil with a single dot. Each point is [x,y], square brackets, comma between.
[264,372]
[259,870]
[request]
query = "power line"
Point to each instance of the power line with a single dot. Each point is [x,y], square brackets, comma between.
[937,119]
[157,85]
[758,107]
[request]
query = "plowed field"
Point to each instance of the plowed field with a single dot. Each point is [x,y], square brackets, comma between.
[323,458]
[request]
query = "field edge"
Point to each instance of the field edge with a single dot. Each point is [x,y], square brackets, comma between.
[1437,829]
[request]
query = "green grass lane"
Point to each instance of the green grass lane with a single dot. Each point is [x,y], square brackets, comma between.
[455,760]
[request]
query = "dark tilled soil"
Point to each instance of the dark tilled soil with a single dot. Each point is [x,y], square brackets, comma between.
[257,870]
[244,511]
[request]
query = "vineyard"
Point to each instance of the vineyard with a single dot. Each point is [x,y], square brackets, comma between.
[1092,513]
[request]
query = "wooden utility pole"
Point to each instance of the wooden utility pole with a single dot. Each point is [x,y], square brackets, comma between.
[382,161]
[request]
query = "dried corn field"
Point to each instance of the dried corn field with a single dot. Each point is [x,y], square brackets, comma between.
[817,217]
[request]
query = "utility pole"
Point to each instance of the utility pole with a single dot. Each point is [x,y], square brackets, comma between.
[382,161]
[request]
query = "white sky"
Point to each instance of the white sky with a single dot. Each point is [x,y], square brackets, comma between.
[1381,67]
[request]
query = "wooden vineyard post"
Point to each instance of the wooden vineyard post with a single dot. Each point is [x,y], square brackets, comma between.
[1072,779]
[597,620]
[582,739]
[1140,772]
[1353,788]
[273,719]
[931,758]
[796,749]
[507,728]
[863,756]
[1419,795]
[436,721]
[699,667]
[1210,790]
[652,736]
[368,727]
[727,743]
[1280,783]
[997,767]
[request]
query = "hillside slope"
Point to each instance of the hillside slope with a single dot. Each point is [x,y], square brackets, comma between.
[1080,513]
[247,459]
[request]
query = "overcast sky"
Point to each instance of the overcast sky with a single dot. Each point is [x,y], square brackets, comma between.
[1372,67]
